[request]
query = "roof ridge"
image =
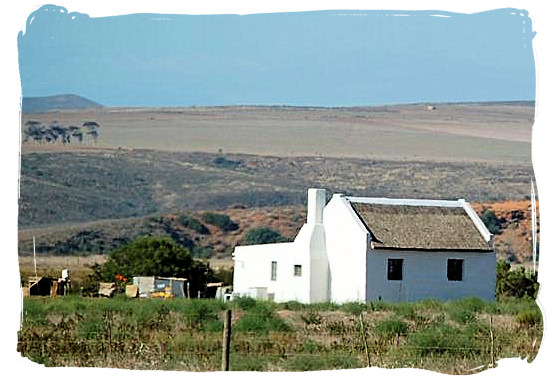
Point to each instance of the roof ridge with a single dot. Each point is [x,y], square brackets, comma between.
[407,201]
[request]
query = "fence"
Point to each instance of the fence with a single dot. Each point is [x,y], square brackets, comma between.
[195,335]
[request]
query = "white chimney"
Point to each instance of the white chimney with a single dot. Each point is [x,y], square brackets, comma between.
[316,199]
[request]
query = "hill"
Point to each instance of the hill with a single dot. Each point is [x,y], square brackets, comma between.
[56,103]
[191,229]
[89,185]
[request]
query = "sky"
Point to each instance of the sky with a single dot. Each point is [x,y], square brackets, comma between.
[316,58]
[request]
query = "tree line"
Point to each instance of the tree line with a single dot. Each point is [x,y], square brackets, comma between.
[54,132]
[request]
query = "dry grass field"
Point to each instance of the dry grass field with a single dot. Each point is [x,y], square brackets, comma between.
[499,132]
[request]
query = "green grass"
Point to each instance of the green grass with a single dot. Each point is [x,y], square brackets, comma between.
[390,328]
[186,334]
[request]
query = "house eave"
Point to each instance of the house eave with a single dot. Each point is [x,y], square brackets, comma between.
[417,249]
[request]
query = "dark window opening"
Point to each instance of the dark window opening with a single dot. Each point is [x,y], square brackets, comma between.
[454,269]
[274,271]
[297,270]
[395,269]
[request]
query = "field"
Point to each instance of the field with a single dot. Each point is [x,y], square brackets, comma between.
[151,170]
[150,161]
[457,337]
[496,132]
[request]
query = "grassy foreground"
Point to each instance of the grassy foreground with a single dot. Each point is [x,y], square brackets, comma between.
[451,337]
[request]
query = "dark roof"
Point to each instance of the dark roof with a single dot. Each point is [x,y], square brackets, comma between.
[435,228]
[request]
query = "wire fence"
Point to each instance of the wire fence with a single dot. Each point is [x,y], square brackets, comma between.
[271,341]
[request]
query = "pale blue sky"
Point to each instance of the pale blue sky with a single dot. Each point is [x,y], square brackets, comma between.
[326,58]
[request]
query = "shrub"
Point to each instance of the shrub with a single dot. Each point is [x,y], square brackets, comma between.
[311,317]
[307,362]
[529,318]
[354,308]
[222,162]
[260,316]
[203,314]
[491,221]
[261,323]
[442,339]
[245,303]
[202,252]
[224,275]
[464,310]
[388,329]
[192,223]
[293,306]
[516,282]
[263,235]
[462,315]
[222,221]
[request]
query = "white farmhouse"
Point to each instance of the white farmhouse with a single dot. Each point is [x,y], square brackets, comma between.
[365,249]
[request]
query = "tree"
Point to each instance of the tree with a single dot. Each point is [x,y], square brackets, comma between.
[515,282]
[156,256]
[263,235]
[491,221]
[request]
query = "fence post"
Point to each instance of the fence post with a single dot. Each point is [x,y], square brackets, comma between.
[492,341]
[365,338]
[226,341]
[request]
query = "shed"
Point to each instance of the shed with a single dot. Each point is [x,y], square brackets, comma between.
[40,286]
[149,285]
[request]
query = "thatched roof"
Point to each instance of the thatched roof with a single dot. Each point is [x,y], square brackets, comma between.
[432,228]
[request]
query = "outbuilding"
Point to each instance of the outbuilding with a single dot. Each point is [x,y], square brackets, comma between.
[366,249]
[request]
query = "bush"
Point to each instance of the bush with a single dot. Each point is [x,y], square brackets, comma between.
[491,221]
[202,252]
[224,275]
[261,322]
[443,339]
[222,221]
[354,308]
[263,235]
[462,315]
[260,317]
[203,314]
[529,318]
[388,329]
[222,162]
[464,310]
[311,317]
[245,303]
[516,282]
[307,362]
[293,306]
[192,223]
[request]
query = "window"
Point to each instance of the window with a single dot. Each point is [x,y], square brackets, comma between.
[297,271]
[454,269]
[274,271]
[395,269]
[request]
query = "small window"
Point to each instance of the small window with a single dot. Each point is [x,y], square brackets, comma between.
[454,269]
[395,269]
[274,271]
[297,271]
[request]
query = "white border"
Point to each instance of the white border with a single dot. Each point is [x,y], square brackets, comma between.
[15,16]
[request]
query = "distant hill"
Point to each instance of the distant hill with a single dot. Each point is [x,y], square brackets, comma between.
[58,102]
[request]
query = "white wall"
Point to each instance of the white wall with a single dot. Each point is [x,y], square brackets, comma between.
[252,276]
[425,276]
[253,270]
[346,241]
